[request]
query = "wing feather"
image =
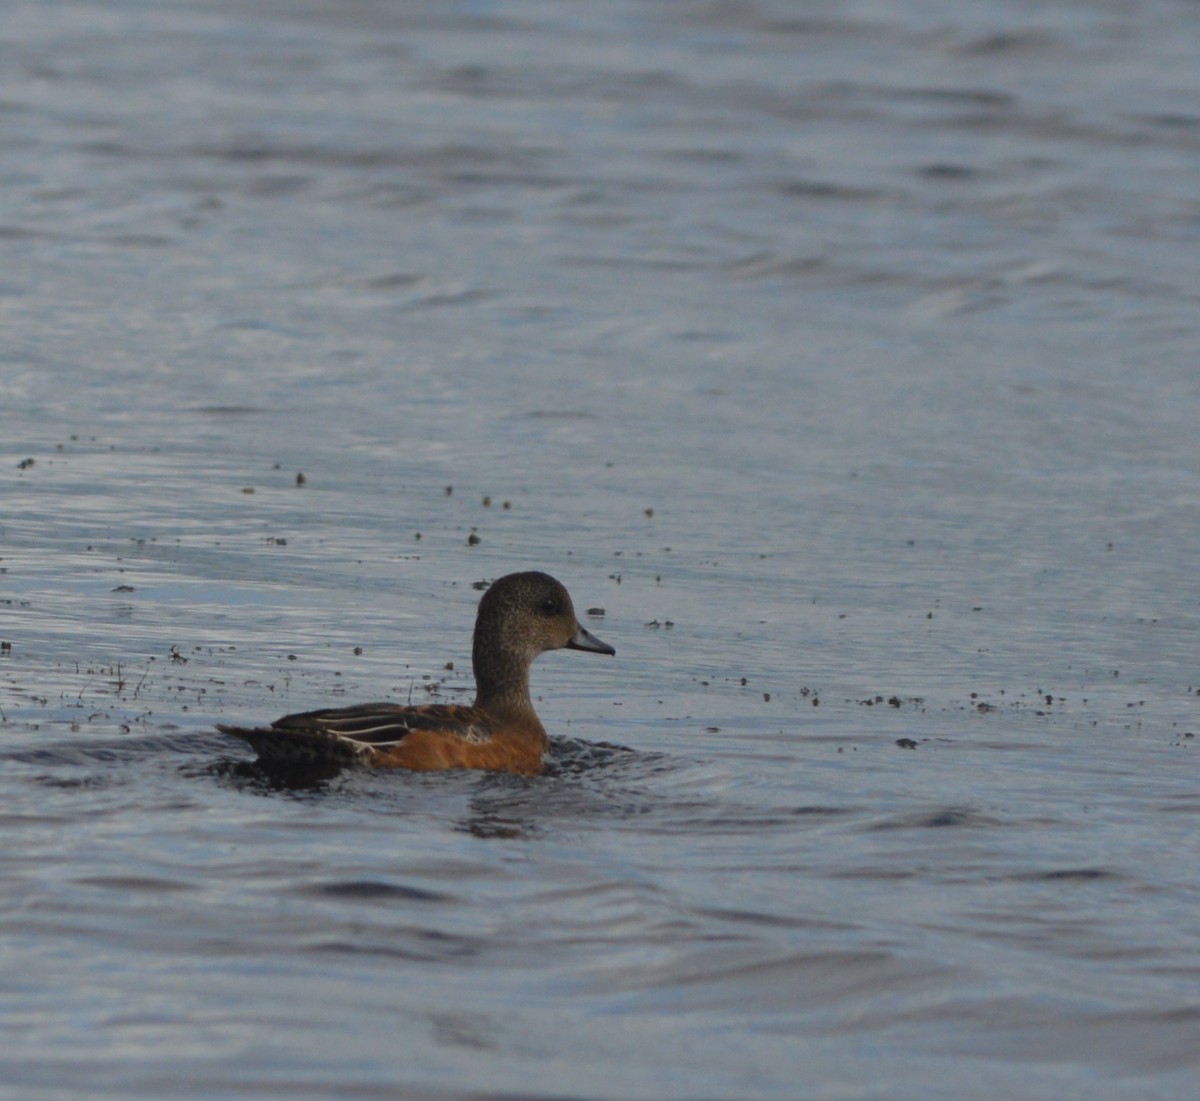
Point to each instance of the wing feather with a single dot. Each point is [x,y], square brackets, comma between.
[359,732]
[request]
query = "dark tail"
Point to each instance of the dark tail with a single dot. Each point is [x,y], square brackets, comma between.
[295,747]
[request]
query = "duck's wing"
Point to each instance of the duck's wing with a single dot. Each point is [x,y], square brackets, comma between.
[360,733]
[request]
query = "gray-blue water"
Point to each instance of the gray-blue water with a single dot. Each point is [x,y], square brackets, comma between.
[847,355]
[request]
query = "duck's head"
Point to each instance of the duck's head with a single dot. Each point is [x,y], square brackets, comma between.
[526,614]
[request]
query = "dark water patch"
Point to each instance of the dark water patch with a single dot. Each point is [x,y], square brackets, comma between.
[1008,44]
[560,415]
[230,410]
[16,233]
[953,172]
[371,890]
[91,782]
[492,825]
[416,944]
[771,920]
[813,268]
[543,808]
[1172,120]
[718,818]
[968,97]
[820,812]
[392,281]
[577,757]
[1065,875]
[259,778]
[948,818]
[1182,804]
[667,264]
[132,884]
[878,874]
[824,189]
[14,820]
[466,297]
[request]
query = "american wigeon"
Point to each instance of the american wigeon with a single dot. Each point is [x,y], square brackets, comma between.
[520,616]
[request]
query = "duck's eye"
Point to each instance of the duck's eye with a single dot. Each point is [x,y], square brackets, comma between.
[550,606]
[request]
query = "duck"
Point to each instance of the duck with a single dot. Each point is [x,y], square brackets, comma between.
[520,617]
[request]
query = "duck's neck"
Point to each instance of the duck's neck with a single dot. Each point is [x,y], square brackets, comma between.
[501,680]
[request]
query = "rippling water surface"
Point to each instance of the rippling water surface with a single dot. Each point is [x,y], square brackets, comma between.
[845,355]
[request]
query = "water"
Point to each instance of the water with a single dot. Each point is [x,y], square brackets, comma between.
[845,355]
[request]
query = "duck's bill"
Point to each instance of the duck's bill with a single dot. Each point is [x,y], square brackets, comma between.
[585,640]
